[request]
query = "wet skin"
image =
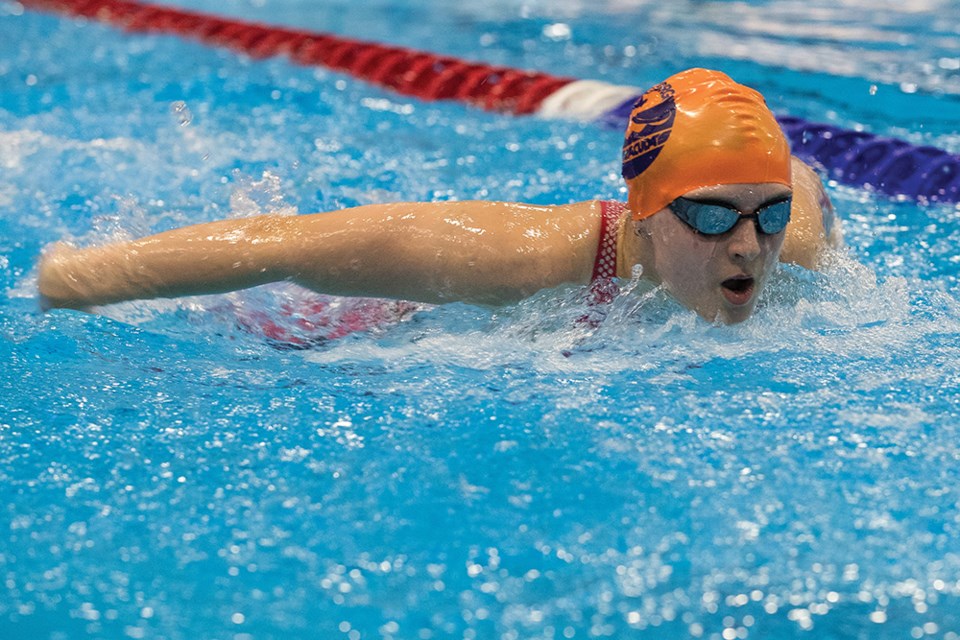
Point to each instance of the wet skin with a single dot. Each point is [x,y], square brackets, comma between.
[477,252]
[718,276]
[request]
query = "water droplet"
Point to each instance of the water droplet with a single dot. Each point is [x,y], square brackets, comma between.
[181,112]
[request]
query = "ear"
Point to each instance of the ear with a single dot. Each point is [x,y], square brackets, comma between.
[641,228]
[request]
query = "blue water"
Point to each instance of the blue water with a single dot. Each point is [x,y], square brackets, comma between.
[468,472]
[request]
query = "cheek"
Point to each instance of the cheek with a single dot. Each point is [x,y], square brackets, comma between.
[696,251]
[686,260]
[772,246]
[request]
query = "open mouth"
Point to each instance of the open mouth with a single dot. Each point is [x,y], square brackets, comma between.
[738,290]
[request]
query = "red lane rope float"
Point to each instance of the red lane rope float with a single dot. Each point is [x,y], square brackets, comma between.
[406,71]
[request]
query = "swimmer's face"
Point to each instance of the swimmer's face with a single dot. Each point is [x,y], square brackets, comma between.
[718,276]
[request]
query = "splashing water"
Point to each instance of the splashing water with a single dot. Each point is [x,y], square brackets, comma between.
[460,471]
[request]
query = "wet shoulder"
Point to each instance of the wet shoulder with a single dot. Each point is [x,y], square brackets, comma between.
[812,225]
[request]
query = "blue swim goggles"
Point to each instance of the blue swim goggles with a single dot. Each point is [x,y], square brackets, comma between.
[713,218]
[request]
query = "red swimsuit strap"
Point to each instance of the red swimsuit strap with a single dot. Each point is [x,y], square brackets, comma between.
[604,289]
[605,265]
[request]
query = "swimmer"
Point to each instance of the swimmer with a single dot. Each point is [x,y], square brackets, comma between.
[714,201]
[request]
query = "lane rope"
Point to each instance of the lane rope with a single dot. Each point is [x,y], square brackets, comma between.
[887,165]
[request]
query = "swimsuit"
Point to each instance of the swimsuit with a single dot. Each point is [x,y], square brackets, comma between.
[603,288]
[302,325]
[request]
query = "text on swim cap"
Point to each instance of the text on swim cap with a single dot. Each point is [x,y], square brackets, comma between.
[649,129]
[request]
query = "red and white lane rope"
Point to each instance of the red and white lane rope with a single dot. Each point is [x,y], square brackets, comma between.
[414,73]
[890,166]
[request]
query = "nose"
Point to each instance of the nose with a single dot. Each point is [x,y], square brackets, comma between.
[744,245]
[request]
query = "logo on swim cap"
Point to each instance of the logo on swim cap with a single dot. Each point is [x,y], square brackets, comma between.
[650,125]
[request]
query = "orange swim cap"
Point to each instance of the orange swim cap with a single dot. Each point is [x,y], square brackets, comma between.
[697,129]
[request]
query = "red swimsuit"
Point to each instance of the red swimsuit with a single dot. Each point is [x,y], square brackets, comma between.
[603,289]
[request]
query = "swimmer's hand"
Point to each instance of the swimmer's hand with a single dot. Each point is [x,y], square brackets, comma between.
[53,281]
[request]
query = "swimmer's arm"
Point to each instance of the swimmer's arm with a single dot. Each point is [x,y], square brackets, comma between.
[813,228]
[206,258]
[488,253]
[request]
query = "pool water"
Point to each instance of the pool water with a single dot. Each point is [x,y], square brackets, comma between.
[471,472]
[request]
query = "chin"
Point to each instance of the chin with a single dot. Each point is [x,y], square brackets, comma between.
[735,315]
[717,309]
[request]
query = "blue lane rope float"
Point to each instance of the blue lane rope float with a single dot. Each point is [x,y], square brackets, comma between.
[887,165]
[860,159]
